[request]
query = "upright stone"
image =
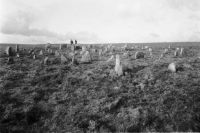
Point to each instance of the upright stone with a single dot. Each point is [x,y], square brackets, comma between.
[118,66]
[9,51]
[60,47]
[63,59]
[46,61]
[17,48]
[41,52]
[86,58]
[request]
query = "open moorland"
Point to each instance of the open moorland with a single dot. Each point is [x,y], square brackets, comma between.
[40,94]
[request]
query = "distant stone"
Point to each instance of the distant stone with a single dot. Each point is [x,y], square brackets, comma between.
[60,47]
[41,52]
[63,59]
[17,48]
[176,53]
[9,51]
[100,52]
[139,55]
[118,66]
[110,59]
[172,67]
[34,56]
[17,55]
[57,53]
[86,58]
[46,61]
[181,52]
[165,51]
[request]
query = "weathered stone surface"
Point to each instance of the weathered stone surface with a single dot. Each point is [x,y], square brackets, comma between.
[9,51]
[118,66]
[172,67]
[63,59]
[86,58]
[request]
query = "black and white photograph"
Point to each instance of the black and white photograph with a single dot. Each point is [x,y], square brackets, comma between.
[99,66]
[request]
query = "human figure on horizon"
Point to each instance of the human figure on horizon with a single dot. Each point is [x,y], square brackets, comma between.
[71,42]
[76,42]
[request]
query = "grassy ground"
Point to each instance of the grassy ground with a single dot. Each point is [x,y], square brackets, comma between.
[83,98]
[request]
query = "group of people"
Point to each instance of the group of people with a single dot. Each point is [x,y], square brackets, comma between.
[73,42]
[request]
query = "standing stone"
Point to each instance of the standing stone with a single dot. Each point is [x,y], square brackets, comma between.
[181,52]
[63,59]
[17,48]
[73,48]
[34,56]
[9,51]
[139,55]
[176,52]
[118,66]
[165,51]
[41,52]
[86,58]
[17,55]
[100,52]
[46,61]
[60,47]
[172,67]
[57,53]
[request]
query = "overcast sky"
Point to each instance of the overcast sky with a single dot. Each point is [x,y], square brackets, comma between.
[94,21]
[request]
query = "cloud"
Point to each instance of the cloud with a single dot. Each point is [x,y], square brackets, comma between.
[21,24]
[154,35]
[193,5]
